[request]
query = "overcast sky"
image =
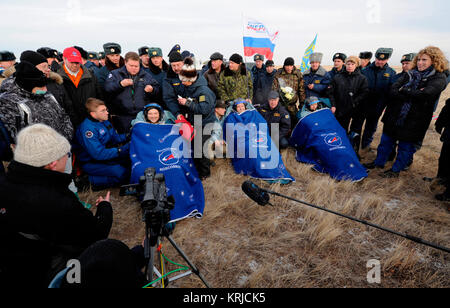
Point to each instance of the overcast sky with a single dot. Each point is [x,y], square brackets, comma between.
[204,27]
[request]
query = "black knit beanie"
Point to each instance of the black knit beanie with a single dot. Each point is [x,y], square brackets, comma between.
[175,57]
[33,57]
[289,61]
[236,58]
[29,77]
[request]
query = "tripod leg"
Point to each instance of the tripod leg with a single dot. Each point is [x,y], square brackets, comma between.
[192,266]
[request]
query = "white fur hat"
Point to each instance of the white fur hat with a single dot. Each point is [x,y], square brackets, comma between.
[39,145]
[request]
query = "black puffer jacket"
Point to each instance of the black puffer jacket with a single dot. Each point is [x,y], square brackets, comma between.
[443,122]
[43,225]
[43,109]
[347,91]
[54,86]
[420,114]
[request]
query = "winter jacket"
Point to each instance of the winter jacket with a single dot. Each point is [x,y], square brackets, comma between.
[320,81]
[263,88]
[347,92]
[420,114]
[293,81]
[279,115]
[380,81]
[203,102]
[7,73]
[103,73]
[443,122]
[212,77]
[159,75]
[234,85]
[256,74]
[127,102]
[333,72]
[172,88]
[5,146]
[43,224]
[87,88]
[20,108]
[54,86]
[99,141]
[92,67]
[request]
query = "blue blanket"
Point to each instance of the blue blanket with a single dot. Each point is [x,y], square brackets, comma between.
[322,142]
[251,148]
[161,147]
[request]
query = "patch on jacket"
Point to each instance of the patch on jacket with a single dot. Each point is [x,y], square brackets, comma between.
[387,75]
[202,99]
[102,131]
[89,134]
[316,81]
[3,211]
[277,115]
[110,76]
[176,84]
[287,116]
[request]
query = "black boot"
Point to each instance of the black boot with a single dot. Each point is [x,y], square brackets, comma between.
[372,165]
[445,197]
[390,174]
[355,140]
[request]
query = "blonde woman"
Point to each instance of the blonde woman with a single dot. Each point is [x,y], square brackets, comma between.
[410,110]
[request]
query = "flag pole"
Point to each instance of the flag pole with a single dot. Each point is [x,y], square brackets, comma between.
[242,28]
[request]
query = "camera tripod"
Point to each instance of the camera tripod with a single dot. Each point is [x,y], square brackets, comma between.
[152,245]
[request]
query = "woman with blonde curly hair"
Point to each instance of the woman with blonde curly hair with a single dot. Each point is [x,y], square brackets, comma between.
[410,110]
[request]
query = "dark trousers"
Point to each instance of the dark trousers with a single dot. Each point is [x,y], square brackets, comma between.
[371,119]
[108,174]
[284,143]
[344,121]
[201,161]
[444,163]
[406,151]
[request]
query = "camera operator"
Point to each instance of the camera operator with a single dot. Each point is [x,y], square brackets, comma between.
[42,223]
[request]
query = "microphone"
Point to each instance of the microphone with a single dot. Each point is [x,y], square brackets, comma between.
[255,193]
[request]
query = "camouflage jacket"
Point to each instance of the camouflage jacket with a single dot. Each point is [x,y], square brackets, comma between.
[234,85]
[20,108]
[294,81]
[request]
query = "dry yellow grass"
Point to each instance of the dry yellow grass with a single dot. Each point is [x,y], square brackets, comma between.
[239,244]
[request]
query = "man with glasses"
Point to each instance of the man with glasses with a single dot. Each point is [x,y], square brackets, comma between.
[103,154]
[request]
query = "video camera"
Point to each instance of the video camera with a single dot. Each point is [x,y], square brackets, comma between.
[155,203]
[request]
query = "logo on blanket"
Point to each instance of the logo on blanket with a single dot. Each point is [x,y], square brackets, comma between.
[260,140]
[168,157]
[333,140]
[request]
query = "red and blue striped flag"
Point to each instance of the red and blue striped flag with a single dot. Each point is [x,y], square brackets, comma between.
[258,39]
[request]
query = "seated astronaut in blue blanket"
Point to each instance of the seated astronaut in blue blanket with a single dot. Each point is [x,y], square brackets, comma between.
[102,152]
[154,114]
[313,104]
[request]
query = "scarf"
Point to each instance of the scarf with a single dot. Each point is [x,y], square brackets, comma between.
[415,78]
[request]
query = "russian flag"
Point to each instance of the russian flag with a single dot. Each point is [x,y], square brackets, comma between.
[258,40]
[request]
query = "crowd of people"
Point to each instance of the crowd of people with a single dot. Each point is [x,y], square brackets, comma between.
[66,118]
